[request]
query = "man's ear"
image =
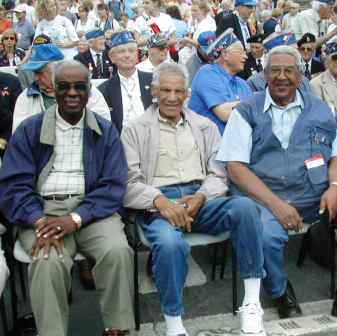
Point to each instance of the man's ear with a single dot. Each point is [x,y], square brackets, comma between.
[155,91]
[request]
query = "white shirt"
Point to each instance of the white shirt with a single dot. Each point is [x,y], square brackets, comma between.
[147,66]
[131,97]
[206,24]
[83,28]
[67,173]
[59,29]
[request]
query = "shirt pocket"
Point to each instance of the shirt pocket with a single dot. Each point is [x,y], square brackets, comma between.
[319,174]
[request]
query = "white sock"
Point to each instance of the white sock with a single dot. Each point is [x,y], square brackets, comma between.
[174,325]
[252,291]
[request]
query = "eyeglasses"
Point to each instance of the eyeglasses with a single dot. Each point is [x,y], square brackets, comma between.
[306,49]
[12,38]
[275,71]
[78,86]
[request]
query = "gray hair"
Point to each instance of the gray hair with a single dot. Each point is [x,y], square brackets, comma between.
[288,50]
[316,5]
[169,67]
[59,67]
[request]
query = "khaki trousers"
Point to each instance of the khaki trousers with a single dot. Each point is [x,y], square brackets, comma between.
[50,279]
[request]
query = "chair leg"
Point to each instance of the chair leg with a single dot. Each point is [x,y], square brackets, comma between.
[224,255]
[234,282]
[215,254]
[22,280]
[4,316]
[333,262]
[303,250]
[136,290]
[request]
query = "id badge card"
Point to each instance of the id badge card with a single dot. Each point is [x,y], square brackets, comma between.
[317,169]
[315,161]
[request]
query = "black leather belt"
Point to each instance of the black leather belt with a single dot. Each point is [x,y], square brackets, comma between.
[59,197]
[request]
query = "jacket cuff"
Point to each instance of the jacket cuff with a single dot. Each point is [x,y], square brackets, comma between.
[84,214]
[34,217]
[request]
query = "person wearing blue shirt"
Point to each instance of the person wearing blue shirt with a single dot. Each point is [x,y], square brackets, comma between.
[216,89]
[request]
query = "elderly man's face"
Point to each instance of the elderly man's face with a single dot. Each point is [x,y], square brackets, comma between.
[97,43]
[235,57]
[283,78]
[72,91]
[44,79]
[257,49]
[171,95]
[245,11]
[307,51]
[124,56]
[332,65]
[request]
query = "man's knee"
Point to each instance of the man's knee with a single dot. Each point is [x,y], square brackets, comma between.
[244,210]
[171,242]
[116,253]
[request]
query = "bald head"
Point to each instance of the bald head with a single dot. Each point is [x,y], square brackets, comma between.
[64,66]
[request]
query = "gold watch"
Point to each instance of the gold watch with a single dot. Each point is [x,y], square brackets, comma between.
[77,219]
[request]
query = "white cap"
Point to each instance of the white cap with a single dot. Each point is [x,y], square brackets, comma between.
[20,8]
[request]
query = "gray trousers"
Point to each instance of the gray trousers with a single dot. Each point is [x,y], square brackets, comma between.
[50,279]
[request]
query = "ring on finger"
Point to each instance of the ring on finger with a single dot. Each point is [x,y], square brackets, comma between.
[59,227]
[290,226]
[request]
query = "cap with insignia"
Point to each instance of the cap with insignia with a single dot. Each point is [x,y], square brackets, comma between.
[42,39]
[306,38]
[256,39]
[250,3]
[120,38]
[331,48]
[157,41]
[278,39]
[225,40]
[92,34]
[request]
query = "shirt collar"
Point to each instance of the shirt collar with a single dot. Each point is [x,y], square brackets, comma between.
[269,102]
[181,122]
[134,76]
[64,125]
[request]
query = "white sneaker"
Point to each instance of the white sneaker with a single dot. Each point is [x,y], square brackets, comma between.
[251,320]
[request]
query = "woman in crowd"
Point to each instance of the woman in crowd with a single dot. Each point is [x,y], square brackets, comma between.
[84,23]
[9,54]
[57,27]
[106,22]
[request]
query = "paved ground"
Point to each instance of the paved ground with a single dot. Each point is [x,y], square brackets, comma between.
[208,307]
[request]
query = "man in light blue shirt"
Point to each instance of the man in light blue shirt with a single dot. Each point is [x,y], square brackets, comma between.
[216,89]
[280,149]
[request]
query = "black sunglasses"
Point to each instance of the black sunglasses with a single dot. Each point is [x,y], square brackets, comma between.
[78,86]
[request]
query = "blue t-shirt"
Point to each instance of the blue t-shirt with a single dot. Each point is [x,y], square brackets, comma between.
[213,86]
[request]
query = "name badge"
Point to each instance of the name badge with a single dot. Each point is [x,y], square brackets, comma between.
[315,161]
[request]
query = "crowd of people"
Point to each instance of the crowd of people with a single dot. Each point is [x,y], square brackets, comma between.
[193,115]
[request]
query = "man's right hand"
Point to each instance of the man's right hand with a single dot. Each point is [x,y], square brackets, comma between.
[287,215]
[176,214]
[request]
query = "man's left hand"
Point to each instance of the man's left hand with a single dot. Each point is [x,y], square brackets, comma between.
[329,202]
[194,203]
[57,227]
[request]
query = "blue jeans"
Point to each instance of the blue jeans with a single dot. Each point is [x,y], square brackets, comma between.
[239,215]
[275,238]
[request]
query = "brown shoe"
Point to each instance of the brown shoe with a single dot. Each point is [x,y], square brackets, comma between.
[86,277]
[115,332]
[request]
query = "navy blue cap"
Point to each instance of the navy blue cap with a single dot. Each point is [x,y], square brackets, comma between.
[306,38]
[245,3]
[42,54]
[327,2]
[92,34]
[225,40]
[256,39]
[331,48]
[120,38]
[205,39]
[278,39]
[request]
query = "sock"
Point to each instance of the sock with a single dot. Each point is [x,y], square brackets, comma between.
[174,325]
[252,291]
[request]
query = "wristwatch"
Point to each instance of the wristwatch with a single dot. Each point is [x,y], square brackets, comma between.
[77,219]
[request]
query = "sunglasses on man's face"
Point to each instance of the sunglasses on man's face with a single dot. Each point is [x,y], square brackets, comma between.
[80,87]
[306,49]
[12,38]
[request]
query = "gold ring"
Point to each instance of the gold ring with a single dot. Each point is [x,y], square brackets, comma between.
[59,228]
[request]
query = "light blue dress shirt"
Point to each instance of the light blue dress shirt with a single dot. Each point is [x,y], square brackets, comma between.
[236,142]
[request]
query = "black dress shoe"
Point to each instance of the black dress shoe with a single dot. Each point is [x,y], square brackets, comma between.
[287,305]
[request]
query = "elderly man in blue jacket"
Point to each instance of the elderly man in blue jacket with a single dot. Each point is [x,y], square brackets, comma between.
[62,182]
